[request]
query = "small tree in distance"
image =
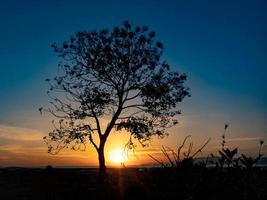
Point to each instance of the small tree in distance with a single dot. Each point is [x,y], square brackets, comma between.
[118,75]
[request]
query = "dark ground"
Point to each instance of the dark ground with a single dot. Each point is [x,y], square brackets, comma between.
[154,183]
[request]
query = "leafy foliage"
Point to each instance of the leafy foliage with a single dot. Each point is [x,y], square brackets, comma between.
[248,162]
[118,75]
[228,156]
[231,159]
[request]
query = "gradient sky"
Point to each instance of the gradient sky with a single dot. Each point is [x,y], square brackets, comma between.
[220,45]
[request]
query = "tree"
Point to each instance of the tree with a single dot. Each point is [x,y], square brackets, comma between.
[118,75]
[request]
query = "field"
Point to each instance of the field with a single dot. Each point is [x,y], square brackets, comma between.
[124,183]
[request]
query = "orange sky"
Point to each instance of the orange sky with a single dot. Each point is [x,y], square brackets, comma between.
[24,146]
[220,46]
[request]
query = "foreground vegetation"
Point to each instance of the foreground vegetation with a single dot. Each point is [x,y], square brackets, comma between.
[154,183]
[226,175]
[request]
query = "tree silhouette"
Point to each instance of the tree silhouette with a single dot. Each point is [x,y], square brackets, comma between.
[118,75]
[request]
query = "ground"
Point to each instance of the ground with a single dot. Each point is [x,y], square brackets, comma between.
[153,183]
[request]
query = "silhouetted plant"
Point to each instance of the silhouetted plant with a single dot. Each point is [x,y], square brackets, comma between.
[250,162]
[118,75]
[227,156]
[261,144]
[223,135]
[230,158]
[49,169]
[174,158]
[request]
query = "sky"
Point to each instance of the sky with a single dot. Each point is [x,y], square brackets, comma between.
[220,45]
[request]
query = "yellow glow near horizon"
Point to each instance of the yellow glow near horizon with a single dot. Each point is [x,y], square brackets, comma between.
[117,156]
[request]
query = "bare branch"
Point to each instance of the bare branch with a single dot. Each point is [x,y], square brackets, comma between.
[164,151]
[200,149]
[181,146]
[160,162]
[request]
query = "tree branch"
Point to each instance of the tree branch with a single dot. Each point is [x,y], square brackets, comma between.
[133,106]
[92,141]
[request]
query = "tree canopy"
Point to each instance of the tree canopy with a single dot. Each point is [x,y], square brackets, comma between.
[119,75]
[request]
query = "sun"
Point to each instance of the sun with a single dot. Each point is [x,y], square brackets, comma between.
[117,156]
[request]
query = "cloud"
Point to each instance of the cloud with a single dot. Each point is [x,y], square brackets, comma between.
[20,139]
[18,145]
[245,139]
[18,133]
[25,147]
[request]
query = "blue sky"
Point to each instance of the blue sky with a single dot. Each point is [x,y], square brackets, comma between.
[220,45]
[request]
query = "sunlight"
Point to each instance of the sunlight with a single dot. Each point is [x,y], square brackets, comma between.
[117,156]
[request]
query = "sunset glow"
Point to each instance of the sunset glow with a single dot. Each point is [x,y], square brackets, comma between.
[129,99]
[219,46]
[117,156]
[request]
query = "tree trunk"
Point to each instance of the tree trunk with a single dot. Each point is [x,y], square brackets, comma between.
[101,159]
